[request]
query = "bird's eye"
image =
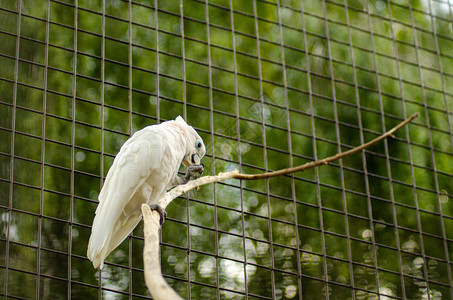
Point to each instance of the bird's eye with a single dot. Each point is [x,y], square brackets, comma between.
[198,144]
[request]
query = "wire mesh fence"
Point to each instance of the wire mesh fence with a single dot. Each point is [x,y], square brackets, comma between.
[267,84]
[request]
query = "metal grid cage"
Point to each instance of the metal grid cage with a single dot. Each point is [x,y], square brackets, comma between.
[268,84]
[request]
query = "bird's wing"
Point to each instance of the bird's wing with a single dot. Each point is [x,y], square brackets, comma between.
[137,159]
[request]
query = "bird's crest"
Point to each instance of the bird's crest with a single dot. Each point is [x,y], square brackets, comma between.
[180,120]
[179,125]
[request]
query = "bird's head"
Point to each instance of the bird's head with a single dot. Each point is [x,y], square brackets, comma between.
[195,149]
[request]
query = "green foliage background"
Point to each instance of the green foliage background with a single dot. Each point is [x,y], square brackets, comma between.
[339,73]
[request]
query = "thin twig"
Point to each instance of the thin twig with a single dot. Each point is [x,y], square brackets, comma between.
[325,161]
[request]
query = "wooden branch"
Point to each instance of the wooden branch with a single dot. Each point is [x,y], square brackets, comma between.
[156,284]
[325,161]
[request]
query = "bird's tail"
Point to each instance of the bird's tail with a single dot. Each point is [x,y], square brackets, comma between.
[98,244]
[107,234]
[101,233]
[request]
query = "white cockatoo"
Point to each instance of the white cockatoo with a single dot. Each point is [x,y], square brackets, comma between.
[144,169]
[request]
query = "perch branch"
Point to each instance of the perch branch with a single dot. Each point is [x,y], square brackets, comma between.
[153,276]
[155,282]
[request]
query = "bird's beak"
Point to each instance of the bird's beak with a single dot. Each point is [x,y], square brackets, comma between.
[193,159]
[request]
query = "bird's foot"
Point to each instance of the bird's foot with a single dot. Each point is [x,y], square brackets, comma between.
[160,210]
[194,172]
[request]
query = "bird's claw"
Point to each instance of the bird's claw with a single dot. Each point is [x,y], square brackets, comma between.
[160,210]
[194,171]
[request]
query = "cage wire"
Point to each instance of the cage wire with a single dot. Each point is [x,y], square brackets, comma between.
[268,84]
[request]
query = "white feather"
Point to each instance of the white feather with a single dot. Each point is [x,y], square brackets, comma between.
[142,171]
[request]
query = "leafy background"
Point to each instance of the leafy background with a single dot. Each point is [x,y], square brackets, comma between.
[284,87]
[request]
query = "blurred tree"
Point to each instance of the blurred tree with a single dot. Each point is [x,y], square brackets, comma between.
[90,73]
